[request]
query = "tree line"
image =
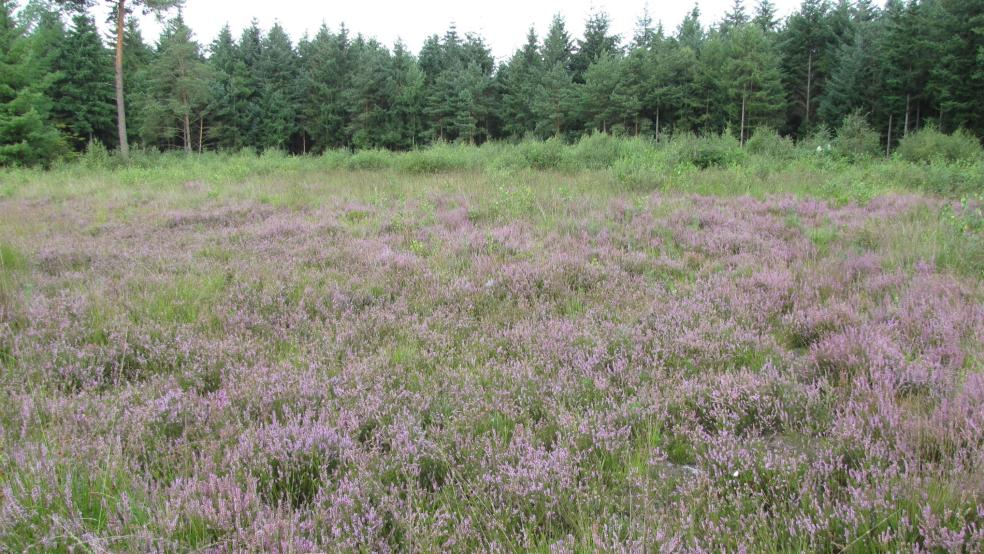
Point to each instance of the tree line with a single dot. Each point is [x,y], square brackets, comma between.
[902,66]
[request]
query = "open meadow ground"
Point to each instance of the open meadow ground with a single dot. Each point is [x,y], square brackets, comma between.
[293,358]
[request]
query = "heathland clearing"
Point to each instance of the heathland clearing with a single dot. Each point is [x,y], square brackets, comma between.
[271,354]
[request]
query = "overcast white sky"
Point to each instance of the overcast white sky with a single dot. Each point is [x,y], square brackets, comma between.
[503,23]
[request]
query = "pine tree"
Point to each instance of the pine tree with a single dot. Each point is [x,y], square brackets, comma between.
[608,99]
[671,87]
[178,88]
[634,86]
[690,33]
[138,57]
[554,101]
[713,103]
[121,10]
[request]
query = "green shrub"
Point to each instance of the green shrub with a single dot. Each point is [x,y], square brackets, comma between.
[96,155]
[640,171]
[597,151]
[767,142]
[817,142]
[929,145]
[548,154]
[335,158]
[706,151]
[438,158]
[370,159]
[856,140]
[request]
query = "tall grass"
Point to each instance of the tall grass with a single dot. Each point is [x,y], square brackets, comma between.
[927,161]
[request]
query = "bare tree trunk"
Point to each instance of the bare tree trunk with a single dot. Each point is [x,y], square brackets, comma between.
[741,132]
[905,131]
[657,123]
[120,108]
[201,134]
[187,133]
[809,86]
[888,143]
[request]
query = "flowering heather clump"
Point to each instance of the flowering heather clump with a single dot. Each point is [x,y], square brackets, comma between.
[459,366]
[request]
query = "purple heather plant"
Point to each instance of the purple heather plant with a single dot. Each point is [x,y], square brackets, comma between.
[445,371]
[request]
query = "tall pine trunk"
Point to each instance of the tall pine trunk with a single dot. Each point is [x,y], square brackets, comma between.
[741,132]
[905,130]
[657,123]
[120,108]
[187,126]
[888,143]
[809,86]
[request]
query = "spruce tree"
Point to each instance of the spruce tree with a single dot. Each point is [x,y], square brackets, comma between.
[408,85]
[276,73]
[755,84]
[327,66]
[852,84]
[227,98]
[808,46]
[597,42]
[645,33]
[765,16]
[558,48]
[736,17]
[374,91]
[519,79]
[26,136]
[83,93]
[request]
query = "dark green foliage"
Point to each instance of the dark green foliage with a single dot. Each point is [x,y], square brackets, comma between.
[276,73]
[26,135]
[912,64]
[84,105]
[929,145]
[178,90]
[754,80]
[597,42]
[856,139]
